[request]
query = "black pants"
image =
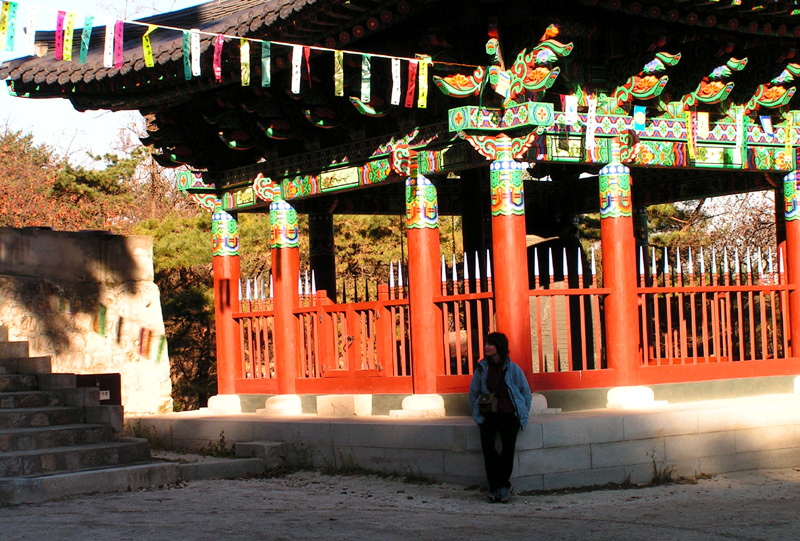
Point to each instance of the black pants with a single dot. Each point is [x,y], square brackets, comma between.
[499,465]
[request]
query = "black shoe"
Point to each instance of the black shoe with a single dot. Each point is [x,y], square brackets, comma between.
[504,494]
[493,496]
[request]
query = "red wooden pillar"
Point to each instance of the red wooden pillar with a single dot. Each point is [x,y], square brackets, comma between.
[285,273]
[422,232]
[510,274]
[619,273]
[791,191]
[225,249]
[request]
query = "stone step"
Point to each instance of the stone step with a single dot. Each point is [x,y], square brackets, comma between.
[38,417]
[30,399]
[27,439]
[34,489]
[13,350]
[27,365]
[63,459]
[14,383]
[54,382]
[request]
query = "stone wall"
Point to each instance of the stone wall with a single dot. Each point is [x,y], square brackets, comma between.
[88,300]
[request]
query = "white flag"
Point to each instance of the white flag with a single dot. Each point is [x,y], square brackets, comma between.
[395,81]
[108,47]
[194,43]
[297,62]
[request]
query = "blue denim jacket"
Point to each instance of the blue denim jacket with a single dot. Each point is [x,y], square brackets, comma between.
[518,389]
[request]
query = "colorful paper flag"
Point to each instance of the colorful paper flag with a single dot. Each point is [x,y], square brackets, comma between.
[186,51]
[69,32]
[571,110]
[266,63]
[639,117]
[30,32]
[11,26]
[690,135]
[219,39]
[366,75]
[307,56]
[412,82]
[338,73]
[195,47]
[147,47]
[297,60]
[702,125]
[244,60]
[395,81]
[4,8]
[108,47]
[422,101]
[59,32]
[766,125]
[86,37]
[591,123]
[119,28]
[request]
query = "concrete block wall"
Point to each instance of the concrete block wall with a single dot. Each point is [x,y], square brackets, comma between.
[88,301]
[553,452]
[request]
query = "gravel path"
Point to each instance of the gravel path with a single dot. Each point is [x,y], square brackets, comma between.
[310,505]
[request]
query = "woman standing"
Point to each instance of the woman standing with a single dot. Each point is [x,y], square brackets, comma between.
[506,415]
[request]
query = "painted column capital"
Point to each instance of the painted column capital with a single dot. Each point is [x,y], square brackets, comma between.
[507,191]
[224,234]
[283,225]
[791,197]
[615,191]
[422,204]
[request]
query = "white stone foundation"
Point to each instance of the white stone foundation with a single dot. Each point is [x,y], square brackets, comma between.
[224,404]
[344,405]
[420,405]
[281,406]
[632,398]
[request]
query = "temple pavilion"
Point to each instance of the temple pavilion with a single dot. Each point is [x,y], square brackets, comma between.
[516,116]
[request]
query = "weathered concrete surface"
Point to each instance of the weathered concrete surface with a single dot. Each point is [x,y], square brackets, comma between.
[565,450]
[307,505]
[89,301]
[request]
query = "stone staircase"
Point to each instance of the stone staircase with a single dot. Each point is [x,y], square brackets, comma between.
[50,427]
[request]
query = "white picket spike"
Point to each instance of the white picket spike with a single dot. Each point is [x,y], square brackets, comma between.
[240,290]
[313,283]
[550,262]
[535,262]
[271,295]
[653,260]
[477,266]
[780,261]
[749,264]
[641,261]
[580,262]
[714,261]
[565,271]
[725,260]
[594,267]
[466,268]
[454,270]
[666,261]
[736,261]
[771,268]
[308,290]
[444,270]
[702,262]
[488,266]
[399,274]
[678,260]
[248,296]
[391,273]
[690,263]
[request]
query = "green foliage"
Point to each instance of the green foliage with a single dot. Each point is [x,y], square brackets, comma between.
[179,242]
[679,224]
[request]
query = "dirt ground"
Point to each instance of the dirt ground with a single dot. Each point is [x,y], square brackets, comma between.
[311,505]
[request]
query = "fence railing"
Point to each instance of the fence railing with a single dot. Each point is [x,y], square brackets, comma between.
[723,313]
[567,326]
[467,306]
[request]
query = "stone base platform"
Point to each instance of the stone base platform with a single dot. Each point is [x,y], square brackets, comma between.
[574,449]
